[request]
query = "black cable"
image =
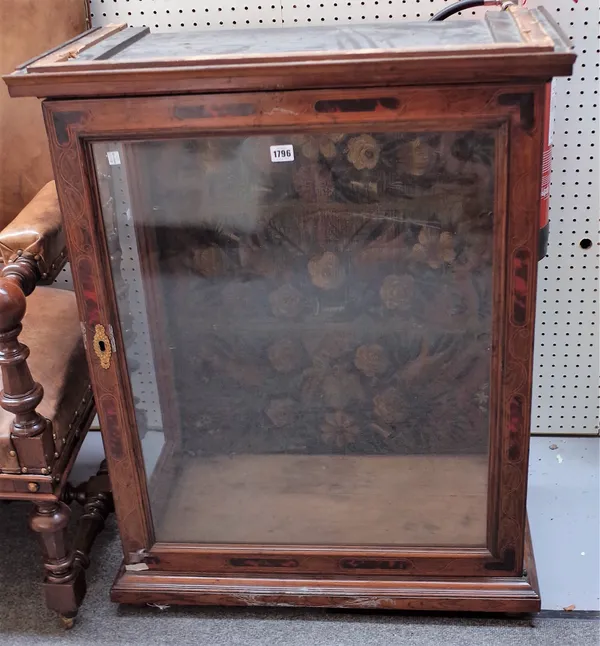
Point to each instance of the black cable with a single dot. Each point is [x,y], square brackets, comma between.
[455,8]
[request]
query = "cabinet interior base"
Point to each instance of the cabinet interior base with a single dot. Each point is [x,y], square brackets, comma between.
[437,500]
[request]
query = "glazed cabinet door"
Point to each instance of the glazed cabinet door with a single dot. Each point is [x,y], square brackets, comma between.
[309,319]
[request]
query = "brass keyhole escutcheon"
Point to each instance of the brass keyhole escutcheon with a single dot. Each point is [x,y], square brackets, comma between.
[102,346]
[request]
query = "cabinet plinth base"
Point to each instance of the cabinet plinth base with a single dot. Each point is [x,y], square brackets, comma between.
[510,594]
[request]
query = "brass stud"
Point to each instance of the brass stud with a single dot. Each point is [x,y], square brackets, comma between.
[44,470]
[64,440]
[24,470]
[13,454]
[56,454]
[33,487]
[54,436]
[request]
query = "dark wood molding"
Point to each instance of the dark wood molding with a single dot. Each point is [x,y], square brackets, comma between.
[507,564]
[382,72]
[525,102]
[62,122]
[509,594]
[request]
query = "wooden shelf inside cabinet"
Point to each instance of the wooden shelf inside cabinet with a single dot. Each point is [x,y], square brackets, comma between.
[314,259]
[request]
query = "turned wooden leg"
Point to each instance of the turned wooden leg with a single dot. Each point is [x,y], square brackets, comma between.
[64,581]
[96,498]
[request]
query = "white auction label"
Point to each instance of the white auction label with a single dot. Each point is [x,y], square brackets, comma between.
[284,153]
[114,159]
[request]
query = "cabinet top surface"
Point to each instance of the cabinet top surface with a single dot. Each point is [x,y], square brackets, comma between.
[307,41]
[522,43]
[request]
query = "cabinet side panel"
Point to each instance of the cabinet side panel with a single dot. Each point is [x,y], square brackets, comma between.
[96,302]
[524,179]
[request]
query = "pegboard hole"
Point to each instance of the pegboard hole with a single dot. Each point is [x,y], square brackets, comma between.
[585,243]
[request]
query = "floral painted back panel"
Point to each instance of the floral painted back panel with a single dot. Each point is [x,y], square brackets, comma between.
[321,295]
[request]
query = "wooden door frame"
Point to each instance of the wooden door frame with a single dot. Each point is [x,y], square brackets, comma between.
[515,109]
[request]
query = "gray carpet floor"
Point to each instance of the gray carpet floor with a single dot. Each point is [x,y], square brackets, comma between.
[24,621]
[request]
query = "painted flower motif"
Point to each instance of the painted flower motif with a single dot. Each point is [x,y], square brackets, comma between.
[327,148]
[311,147]
[311,390]
[396,291]
[281,412]
[476,255]
[286,302]
[326,271]
[313,183]
[476,233]
[390,406]
[363,152]
[285,355]
[340,388]
[333,345]
[208,262]
[434,248]
[371,360]
[416,157]
[308,146]
[339,429]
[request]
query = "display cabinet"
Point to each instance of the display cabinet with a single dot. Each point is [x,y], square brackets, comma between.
[305,262]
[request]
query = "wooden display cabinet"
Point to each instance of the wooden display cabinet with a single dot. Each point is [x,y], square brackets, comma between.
[305,262]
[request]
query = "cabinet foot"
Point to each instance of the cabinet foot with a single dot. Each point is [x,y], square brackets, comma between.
[64,564]
[64,580]
[67,622]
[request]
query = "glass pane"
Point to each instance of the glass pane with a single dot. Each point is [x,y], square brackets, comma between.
[308,326]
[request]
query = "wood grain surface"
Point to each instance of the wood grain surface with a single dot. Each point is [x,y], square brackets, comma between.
[329,500]
[511,594]
[476,578]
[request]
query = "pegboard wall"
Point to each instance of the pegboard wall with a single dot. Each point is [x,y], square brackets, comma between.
[567,359]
